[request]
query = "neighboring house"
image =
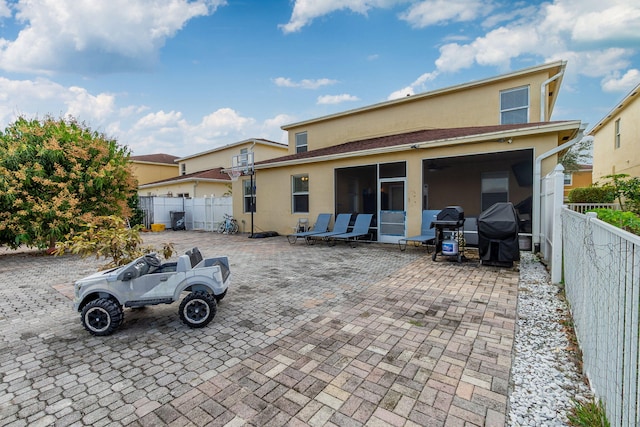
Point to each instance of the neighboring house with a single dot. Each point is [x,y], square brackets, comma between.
[469,145]
[577,179]
[616,145]
[201,175]
[153,167]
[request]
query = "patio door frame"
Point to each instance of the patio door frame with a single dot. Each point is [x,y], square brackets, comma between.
[401,213]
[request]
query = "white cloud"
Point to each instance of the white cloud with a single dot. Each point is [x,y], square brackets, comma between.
[586,32]
[419,85]
[95,37]
[618,22]
[304,84]
[431,12]
[305,11]
[336,99]
[5,12]
[622,84]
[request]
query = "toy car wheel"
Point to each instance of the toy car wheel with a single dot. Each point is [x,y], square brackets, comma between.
[102,316]
[198,309]
[220,296]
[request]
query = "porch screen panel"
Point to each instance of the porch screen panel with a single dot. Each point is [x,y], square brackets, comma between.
[392,223]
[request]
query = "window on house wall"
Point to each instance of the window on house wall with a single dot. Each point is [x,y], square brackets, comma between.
[183,168]
[514,106]
[244,156]
[249,196]
[301,142]
[617,130]
[300,193]
[568,179]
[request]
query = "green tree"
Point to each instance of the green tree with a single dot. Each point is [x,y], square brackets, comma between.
[578,154]
[627,191]
[55,176]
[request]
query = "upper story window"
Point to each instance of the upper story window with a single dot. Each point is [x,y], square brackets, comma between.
[300,194]
[301,142]
[243,156]
[183,168]
[514,106]
[617,130]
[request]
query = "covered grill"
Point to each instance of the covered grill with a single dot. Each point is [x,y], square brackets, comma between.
[449,219]
[498,235]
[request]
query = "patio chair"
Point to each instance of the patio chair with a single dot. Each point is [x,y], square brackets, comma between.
[360,229]
[427,234]
[341,226]
[321,226]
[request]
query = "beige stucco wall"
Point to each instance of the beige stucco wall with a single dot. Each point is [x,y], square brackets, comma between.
[609,160]
[202,189]
[475,106]
[273,198]
[222,157]
[152,172]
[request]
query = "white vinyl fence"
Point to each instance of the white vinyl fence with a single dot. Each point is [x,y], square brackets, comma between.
[602,280]
[551,197]
[200,213]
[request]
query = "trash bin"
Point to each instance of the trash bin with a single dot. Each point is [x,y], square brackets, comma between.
[177,221]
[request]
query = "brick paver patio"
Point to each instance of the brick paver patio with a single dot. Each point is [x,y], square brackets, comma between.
[307,335]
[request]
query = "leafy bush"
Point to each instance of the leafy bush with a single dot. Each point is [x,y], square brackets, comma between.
[627,191]
[593,194]
[109,237]
[625,220]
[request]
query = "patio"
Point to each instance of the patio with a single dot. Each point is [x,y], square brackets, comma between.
[307,335]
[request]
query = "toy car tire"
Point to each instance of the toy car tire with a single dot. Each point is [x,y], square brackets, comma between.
[198,309]
[102,316]
[220,296]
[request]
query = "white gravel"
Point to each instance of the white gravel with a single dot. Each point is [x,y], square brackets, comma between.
[544,378]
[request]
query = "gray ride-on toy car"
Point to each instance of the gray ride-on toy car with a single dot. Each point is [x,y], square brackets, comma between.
[100,298]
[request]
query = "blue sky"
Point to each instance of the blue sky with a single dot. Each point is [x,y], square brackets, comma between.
[180,77]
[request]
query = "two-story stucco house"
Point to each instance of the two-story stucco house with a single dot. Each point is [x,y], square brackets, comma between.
[469,145]
[200,174]
[616,145]
[153,167]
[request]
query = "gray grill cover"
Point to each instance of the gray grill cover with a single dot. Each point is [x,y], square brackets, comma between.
[498,234]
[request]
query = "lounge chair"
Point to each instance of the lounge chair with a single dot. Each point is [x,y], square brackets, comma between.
[321,226]
[341,226]
[360,229]
[427,234]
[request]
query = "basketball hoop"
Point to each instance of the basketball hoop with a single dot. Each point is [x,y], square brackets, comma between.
[234,174]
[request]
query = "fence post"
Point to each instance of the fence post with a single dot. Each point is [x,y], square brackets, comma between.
[556,236]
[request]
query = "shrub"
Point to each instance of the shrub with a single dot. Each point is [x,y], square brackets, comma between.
[593,194]
[625,220]
[109,237]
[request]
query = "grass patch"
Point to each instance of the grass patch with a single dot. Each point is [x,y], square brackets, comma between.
[588,414]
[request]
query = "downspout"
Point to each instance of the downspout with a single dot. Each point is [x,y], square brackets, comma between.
[195,184]
[537,168]
[543,95]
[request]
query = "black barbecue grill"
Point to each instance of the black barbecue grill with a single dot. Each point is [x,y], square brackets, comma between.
[449,219]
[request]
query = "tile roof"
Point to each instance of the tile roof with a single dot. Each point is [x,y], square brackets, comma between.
[403,139]
[156,158]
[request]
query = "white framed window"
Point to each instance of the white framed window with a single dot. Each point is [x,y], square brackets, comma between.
[568,179]
[300,194]
[244,156]
[301,142]
[183,168]
[514,105]
[617,136]
[249,194]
